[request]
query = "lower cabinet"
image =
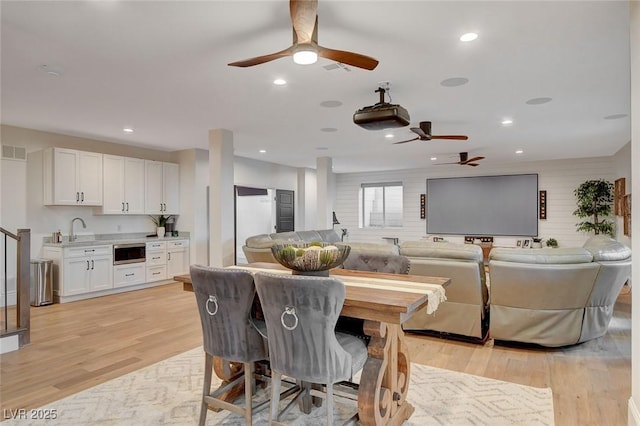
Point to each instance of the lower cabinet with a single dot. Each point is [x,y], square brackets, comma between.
[81,270]
[129,274]
[166,259]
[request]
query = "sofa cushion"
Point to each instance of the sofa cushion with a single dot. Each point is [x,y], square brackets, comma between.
[380,248]
[285,236]
[375,262]
[259,241]
[309,236]
[441,250]
[606,249]
[542,256]
[329,235]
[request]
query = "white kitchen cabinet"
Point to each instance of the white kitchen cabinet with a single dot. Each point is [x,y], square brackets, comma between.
[129,274]
[124,185]
[162,195]
[177,257]
[81,270]
[156,254]
[72,177]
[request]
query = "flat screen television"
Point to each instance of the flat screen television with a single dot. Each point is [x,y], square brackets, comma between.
[505,205]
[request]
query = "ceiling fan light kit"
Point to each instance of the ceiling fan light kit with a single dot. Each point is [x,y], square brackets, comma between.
[305,48]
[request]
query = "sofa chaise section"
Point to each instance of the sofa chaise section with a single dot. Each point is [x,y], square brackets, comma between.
[465,311]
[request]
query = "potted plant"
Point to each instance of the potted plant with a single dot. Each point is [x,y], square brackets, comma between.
[594,199]
[160,223]
[552,242]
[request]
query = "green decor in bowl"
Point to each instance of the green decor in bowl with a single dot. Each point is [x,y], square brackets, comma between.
[313,258]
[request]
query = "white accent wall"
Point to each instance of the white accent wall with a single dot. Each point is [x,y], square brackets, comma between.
[559,178]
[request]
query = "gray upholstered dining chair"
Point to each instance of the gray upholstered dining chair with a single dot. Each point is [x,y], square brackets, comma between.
[301,314]
[225,298]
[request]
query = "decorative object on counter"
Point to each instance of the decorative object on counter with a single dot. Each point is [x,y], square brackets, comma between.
[536,242]
[345,232]
[335,220]
[313,258]
[423,206]
[595,199]
[552,242]
[161,223]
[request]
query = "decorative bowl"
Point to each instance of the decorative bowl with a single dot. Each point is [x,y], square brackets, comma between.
[313,258]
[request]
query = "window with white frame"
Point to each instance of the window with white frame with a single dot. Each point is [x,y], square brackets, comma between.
[381,205]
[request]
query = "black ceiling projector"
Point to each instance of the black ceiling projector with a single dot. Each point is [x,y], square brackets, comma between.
[382,115]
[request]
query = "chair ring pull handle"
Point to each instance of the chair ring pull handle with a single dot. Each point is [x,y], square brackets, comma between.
[289,310]
[213,299]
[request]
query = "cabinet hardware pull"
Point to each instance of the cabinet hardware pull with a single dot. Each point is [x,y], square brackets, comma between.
[127,206]
[156,273]
[77,197]
[87,265]
[154,258]
[129,275]
[169,256]
[82,196]
[160,206]
[92,265]
[122,206]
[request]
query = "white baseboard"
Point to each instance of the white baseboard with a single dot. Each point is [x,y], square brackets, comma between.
[634,413]
[9,344]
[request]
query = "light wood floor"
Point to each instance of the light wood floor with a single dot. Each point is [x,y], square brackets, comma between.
[81,344]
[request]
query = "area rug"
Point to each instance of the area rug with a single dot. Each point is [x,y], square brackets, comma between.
[168,393]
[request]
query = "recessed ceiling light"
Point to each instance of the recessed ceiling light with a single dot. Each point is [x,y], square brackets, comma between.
[434,158]
[389,135]
[506,122]
[127,130]
[262,151]
[454,81]
[330,104]
[468,37]
[519,151]
[538,101]
[329,129]
[615,116]
[279,81]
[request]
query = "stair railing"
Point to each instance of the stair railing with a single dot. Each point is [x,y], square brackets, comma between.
[23,313]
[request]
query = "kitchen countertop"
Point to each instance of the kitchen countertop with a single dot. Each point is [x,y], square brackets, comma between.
[107,239]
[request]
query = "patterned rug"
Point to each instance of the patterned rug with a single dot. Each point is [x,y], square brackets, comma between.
[168,393]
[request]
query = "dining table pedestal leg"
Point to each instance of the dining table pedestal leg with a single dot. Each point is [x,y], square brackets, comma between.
[384,383]
[227,371]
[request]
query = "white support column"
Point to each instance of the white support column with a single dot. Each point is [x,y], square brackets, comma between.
[307,197]
[221,218]
[326,192]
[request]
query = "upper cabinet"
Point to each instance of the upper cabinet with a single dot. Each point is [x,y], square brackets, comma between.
[163,188]
[72,178]
[124,185]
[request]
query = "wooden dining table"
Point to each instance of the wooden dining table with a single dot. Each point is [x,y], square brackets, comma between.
[384,301]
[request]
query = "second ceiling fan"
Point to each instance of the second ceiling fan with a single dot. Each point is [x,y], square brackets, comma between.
[424,134]
[465,160]
[305,48]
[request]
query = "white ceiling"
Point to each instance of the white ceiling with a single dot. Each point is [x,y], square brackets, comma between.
[161,67]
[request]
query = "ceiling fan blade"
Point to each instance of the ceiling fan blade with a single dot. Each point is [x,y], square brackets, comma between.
[418,131]
[471,164]
[410,140]
[262,59]
[452,137]
[474,159]
[442,164]
[349,58]
[303,19]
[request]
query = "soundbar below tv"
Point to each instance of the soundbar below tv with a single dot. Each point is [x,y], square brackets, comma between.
[504,205]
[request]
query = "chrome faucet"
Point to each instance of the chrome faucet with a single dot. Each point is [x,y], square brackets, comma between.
[72,236]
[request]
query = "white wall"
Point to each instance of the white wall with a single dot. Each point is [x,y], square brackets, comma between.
[634,402]
[559,178]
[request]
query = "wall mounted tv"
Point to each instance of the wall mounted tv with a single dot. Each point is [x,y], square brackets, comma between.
[505,205]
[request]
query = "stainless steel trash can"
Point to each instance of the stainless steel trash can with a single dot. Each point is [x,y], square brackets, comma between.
[41,282]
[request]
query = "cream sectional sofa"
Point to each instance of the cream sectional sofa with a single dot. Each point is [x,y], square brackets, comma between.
[258,247]
[556,297]
[465,313]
